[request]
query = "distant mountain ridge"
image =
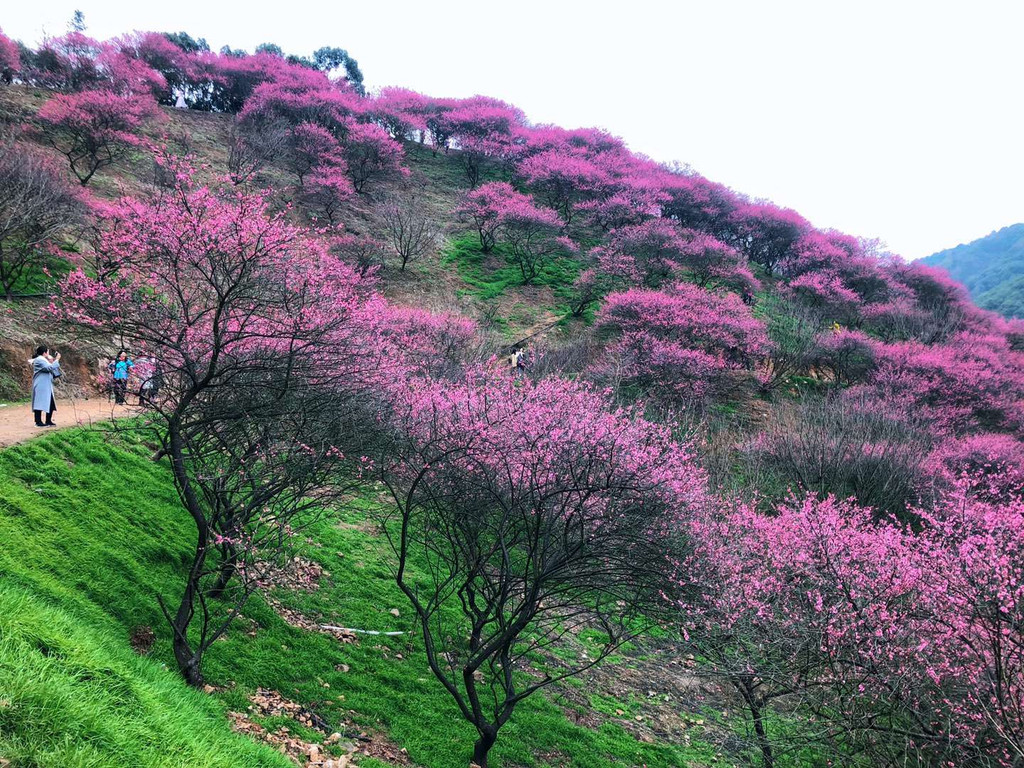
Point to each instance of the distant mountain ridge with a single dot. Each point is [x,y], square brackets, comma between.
[991,267]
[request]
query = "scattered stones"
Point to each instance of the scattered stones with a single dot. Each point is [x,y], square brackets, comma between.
[297,574]
[297,619]
[268,703]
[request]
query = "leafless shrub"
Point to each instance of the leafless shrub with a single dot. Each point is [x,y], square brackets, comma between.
[408,226]
[841,445]
[37,208]
[253,146]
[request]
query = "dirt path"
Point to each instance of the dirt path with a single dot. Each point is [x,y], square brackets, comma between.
[16,424]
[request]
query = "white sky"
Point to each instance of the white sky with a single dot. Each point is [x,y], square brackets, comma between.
[899,120]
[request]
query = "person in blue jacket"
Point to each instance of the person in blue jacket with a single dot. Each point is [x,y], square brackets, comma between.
[120,369]
[45,368]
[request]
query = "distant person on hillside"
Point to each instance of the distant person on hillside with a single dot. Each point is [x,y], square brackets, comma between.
[45,368]
[152,379]
[120,369]
[515,359]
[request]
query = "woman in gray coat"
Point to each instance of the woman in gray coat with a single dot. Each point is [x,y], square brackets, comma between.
[44,370]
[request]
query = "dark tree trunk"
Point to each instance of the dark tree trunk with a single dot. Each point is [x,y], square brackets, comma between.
[189,660]
[488,735]
[746,689]
[227,571]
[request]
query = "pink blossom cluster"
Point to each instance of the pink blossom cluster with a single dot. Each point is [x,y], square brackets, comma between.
[329,133]
[678,343]
[869,621]
[10,58]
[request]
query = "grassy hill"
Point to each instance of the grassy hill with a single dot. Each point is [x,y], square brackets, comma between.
[991,267]
[93,534]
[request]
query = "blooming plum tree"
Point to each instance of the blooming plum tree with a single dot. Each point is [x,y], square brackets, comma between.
[399,111]
[537,511]
[483,130]
[239,309]
[766,233]
[951,389]
[534,236]
[676,344]
[67,62]
[562,179]
[93,129]
[486,208]
[10,59]
[371,154]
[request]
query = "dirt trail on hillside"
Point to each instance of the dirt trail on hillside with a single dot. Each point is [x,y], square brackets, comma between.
[17,425]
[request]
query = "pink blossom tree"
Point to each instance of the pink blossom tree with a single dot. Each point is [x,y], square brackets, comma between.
[658,250]
[628,206]
[486,207]
[532,234]
[484,131]
[371,155]
[697,203]
[399,111]
[67,62]
[563,178]
[988,465]
[240,310]
[677,344]
[534,237]
[366,150]
[174,64]
[848,355]
[899,642]
[967,670]
[766,234]
[537,511]
[10,59]
[93,129]
[127,74]
[643,254]
[951,389]
[788,599]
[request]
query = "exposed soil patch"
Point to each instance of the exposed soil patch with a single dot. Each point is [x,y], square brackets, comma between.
[16,423]
[141,639]
[657,696]
[339,749]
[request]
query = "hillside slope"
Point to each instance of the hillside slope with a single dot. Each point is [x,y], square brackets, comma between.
[992,268]
[95,535]
[694,355]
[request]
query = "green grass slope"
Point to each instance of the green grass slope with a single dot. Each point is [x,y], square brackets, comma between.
[91,533]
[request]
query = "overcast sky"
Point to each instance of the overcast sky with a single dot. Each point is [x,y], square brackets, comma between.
[898,120]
